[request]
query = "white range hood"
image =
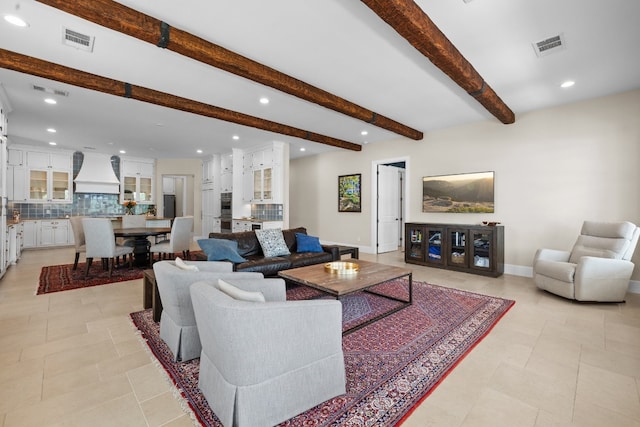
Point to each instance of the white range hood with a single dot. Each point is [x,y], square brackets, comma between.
[96,175]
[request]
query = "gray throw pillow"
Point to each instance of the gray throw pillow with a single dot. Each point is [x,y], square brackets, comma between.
[272,242]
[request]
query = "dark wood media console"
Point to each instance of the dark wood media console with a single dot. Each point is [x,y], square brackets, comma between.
[476,249]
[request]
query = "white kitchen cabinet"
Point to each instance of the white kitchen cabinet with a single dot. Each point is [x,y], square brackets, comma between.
[240,225]
[15,157]
[54,232]
[226,182]
[226,173]
[208,170]
[272,224]
[45,159]
[263,183]
[31,234]
[39,176]
[14,243]
[137,177]
[210,211]
[210,225]
[226,163]
[16,183]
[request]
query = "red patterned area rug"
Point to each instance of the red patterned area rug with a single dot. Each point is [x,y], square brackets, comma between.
[391,364]
[56,278]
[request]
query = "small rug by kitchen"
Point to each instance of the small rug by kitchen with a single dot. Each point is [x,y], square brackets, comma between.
[56,278]
[391,364]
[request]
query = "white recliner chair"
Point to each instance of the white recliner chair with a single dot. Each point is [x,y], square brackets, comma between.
[598,268]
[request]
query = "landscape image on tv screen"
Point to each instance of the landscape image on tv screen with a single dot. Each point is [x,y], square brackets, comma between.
[460,193]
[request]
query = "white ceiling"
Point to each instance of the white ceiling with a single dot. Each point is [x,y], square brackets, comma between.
[337,45]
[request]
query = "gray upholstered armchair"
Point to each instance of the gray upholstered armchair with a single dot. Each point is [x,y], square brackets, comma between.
[265,362]
[177,323]
[598,268]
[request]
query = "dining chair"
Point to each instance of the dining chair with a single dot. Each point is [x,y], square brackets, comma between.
[78,237]
[179,241]
[100,243]
[133,221]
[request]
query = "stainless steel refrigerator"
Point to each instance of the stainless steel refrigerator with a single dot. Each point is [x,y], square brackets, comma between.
[169,204]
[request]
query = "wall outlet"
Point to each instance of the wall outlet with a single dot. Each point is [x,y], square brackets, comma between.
[358,239]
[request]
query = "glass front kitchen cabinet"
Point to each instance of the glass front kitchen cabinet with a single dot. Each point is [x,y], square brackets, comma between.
[137,181]
[48,185]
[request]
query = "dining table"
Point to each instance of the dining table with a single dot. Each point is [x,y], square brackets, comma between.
[141,241]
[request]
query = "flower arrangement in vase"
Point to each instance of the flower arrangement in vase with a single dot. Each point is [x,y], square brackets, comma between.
[129,206]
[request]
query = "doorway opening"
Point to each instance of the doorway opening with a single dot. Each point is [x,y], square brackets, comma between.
[177,196]
[390,203]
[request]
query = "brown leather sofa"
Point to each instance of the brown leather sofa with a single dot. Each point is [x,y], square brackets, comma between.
[250,249]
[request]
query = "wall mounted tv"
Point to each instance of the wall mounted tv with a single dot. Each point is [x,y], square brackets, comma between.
[459,193]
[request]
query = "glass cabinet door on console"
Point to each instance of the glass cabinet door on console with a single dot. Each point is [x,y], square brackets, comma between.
[415,243]
[481,250]
[435,247]
[457,244]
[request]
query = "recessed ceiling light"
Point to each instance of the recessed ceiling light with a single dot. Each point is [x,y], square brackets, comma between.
[567,84]
[364,132]
[236,137]
[303,149]
[52,130]
[18,22]
[50,101]
[264,100]
[52,143]
[199,151]
[122,152]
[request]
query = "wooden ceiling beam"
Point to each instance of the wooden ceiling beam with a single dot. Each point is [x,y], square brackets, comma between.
[49,70]
[410,21]
[123,19]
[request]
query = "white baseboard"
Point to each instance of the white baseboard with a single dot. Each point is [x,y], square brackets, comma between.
[518,270]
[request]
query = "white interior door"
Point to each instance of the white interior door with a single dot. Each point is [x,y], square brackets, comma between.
[388,208]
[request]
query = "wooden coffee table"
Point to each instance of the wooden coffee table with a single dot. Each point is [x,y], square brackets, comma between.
[338,285]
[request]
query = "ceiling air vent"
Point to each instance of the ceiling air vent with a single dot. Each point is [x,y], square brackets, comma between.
[77,40]
[550,45]
[50,91]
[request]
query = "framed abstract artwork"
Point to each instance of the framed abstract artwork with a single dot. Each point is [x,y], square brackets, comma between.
[349,193]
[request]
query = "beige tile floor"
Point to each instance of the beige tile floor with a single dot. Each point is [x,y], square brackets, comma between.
[73,359]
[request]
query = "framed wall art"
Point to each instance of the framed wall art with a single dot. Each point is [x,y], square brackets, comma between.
[349,193]
[460,193]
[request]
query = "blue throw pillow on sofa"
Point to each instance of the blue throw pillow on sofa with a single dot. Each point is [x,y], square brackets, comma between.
[308,243]
[221,250]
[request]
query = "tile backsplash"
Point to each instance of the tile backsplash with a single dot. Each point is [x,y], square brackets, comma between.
[86,204]
[267,212]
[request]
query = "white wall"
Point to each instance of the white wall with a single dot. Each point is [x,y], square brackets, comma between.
[554,168]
